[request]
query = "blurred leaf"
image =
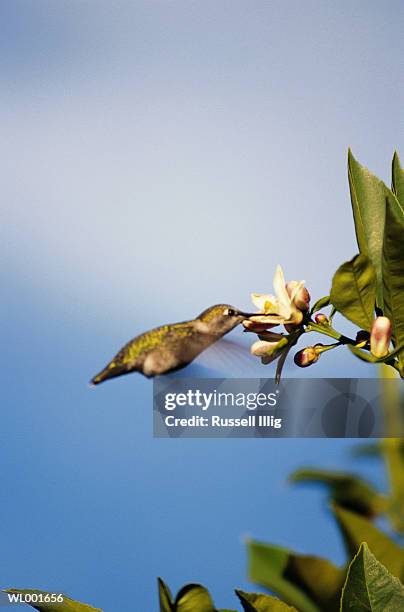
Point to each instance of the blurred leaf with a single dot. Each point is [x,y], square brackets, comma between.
[258,602]
[68,605]
[353,291]
[165,597]
[369,449]
[347,490]
[393,272]
[193,598]
[356,529]
[321,303]
[370,587]
[368,203]
[308,583]
[392,449]
[397,179]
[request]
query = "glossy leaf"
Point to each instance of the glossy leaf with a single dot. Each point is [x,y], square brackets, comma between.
[357,529]
[321,303]
[258,602]
[397,179]
[370,587]
[68,605]
[347,490]
[368,204]
[393,272]
[353,291]
[308,583]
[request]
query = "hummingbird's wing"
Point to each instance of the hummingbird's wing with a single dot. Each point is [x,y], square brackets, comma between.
[230,358]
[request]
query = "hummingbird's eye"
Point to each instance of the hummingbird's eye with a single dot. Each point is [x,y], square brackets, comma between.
[230,312]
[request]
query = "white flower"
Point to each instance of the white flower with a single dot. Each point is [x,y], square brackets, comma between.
[285,307]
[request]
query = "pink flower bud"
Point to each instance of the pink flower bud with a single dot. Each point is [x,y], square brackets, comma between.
[306,357]
[321,319]
[380,337]
[302,298]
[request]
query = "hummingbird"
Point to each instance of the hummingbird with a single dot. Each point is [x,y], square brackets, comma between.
[171,347]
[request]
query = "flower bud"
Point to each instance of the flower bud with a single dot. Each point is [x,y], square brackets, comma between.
[380,337]
[321,319]
[268,351]
[301,299]
[306,357]
[262,347]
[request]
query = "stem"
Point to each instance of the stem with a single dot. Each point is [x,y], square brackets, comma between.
[329,331]
[328,347]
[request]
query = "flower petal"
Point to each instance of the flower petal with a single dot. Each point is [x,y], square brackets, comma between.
[268,319]
[283,299]
[254,327]
[264,302]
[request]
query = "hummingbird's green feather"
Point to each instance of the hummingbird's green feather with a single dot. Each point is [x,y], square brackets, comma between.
[170,347]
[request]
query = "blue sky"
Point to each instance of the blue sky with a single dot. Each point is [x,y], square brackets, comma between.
[159,157]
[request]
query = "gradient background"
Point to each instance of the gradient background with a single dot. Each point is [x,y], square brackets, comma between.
[158,157]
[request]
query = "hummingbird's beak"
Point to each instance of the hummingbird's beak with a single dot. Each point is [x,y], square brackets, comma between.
[246,315]
[234,312]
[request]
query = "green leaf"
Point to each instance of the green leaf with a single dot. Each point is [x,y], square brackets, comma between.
[165,597]
[368,203]
[370,587]
[68,605]
[258,602]
[356,529]
[393,272]
[353,291]
[308,583]
[321,303]
[397,183]
[347,490]
[193,598]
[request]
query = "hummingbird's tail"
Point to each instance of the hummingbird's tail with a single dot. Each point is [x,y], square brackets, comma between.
[112,370]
